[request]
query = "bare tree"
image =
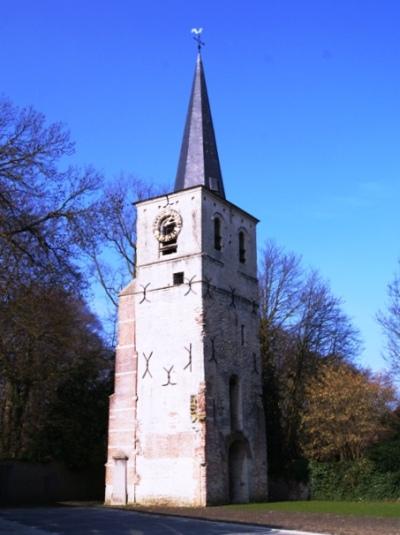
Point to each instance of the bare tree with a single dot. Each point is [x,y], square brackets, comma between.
[109,238]
[39,201]
[50,215]
[390,323]
[51,346]
[281,278]
[302,304]
[302,324]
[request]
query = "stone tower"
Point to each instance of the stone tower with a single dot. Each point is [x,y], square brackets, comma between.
[186,424]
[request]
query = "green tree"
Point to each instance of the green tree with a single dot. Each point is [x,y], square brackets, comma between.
[385,453]
[50,344]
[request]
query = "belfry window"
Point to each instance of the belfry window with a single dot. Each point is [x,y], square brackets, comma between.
[242,250]
[168,247]
[217,234]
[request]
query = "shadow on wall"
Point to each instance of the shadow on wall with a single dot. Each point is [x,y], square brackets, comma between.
[35,483]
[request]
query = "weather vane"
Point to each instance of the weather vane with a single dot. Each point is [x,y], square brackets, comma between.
[197,37]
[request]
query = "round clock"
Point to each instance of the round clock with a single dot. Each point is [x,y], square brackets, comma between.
[167,226]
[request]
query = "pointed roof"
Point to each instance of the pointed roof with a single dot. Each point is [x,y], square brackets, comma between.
[198,161]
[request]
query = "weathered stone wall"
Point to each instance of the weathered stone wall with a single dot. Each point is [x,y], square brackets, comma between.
[180,345]
[232,349]
[122,412]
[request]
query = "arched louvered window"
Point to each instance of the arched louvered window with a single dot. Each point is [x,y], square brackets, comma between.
[217,234]
[242,249]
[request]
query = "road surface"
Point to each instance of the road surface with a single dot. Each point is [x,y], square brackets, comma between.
[103,521]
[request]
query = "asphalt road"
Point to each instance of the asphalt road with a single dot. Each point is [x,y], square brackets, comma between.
[102,521]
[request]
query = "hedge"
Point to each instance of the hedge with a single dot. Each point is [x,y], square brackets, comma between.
[353,480]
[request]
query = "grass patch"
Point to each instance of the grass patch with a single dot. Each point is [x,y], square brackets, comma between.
[380,509]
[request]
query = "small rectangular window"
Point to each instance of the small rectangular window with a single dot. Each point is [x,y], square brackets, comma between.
[242,334]
[178,278]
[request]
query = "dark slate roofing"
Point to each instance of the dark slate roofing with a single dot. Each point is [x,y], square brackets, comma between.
[198,161]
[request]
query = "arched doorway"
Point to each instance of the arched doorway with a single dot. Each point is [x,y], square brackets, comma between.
[238,473]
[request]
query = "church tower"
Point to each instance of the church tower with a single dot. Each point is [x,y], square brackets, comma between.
[186,424]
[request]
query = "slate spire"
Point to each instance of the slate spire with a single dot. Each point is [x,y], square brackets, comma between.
[198,161]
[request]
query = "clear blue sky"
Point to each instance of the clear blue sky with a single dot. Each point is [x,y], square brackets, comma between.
[306,104]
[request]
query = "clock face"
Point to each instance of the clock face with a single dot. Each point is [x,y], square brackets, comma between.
[167,226]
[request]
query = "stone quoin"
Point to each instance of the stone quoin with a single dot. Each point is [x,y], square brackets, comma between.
[186,421]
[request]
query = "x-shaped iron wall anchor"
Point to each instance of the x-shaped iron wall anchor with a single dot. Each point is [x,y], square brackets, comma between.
[189,364]
[168,203]
[147,370]
[169,382]
[144,298]
[189,283]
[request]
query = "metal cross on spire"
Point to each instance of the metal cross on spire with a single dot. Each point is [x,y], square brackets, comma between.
[197,37]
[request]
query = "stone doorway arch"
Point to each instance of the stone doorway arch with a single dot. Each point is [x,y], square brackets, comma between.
[238,472]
